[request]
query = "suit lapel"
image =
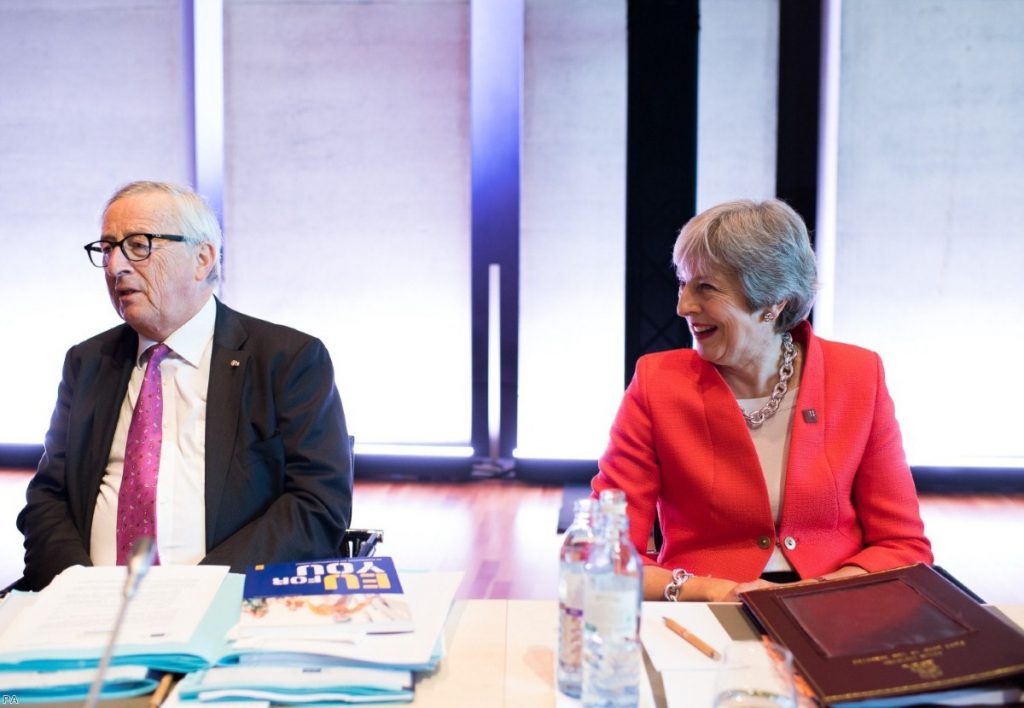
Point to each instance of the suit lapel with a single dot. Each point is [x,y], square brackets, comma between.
[228,370]
[807,451]
[104,393]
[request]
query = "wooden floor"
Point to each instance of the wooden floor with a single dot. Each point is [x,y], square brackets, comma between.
[503,534]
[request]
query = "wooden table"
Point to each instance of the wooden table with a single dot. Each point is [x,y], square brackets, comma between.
[502,653]
[497,653]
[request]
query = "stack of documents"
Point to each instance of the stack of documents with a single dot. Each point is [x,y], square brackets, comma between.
[297,670]
[688,674]
[73,684]
[293,684]
[430,596]
[182,621]
[52,641]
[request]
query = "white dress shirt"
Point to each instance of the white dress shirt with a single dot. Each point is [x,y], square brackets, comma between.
[180,489]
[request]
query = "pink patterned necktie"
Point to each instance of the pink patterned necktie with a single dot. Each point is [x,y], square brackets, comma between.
[136,501]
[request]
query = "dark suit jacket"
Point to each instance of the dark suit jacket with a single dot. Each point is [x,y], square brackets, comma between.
[278,471]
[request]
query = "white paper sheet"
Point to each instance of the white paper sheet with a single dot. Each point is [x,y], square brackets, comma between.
[78,609]
[15,680]
[1014,612]
[299,685]
[691,688]
[669,651]
[174,700]
[288,677]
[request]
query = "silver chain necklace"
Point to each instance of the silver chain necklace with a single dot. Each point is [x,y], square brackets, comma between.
[756,419]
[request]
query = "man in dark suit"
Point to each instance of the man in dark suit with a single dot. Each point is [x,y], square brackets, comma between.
[254,458]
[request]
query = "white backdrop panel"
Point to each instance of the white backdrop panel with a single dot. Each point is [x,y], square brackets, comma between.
[572,257]
[347,198]
[92,97]
[737,100]
[930,220]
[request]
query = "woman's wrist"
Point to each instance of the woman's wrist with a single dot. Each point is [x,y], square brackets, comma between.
[674,588]
[707,589]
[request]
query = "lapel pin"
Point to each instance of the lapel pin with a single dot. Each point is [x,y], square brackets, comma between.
[235,364]
[810,416]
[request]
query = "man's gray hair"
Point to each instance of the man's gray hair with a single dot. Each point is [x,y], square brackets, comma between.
[196,220]
[764,244]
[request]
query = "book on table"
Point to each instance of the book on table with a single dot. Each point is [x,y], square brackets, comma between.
[324,598]
[873,639]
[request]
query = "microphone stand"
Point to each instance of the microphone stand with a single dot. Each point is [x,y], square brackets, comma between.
[143,554]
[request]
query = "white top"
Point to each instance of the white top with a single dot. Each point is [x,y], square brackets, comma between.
[180,489]
[772,443]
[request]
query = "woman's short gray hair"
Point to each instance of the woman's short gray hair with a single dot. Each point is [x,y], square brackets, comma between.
[764,244]
[196,220]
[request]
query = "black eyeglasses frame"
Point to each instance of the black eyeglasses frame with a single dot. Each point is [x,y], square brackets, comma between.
[97,247]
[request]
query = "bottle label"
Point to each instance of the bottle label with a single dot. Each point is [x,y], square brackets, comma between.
[611,613]
[572,603]
[570,630]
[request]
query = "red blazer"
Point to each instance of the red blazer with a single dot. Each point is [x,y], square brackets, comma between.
[680,448]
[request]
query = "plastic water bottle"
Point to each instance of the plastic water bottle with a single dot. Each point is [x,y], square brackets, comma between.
[613,592]
[579,538]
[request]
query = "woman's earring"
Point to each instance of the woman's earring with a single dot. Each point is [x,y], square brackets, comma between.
[769,316]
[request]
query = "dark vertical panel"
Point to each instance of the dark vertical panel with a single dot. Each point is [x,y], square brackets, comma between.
[661,167]
[496,74]
[796,171]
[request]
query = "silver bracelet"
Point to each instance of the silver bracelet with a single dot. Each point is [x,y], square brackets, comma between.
[679,578]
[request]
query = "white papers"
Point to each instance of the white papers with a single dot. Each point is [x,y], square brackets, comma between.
[300,677]
[176,700]
[283,684]
[687,675]
[78,609]
[669,651]
[999,695]
[22,682]
[685,689]
[13,605]
[1014,612]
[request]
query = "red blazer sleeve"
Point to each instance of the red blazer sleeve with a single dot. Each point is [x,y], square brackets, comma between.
[631,464]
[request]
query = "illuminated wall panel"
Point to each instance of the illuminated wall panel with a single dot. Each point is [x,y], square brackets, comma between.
[347,198]
[93,96]
[929,230]
[572,257]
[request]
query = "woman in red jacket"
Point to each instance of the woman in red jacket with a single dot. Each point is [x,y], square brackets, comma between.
[767,453]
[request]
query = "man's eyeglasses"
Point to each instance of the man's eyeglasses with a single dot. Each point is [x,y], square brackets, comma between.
[135,247]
